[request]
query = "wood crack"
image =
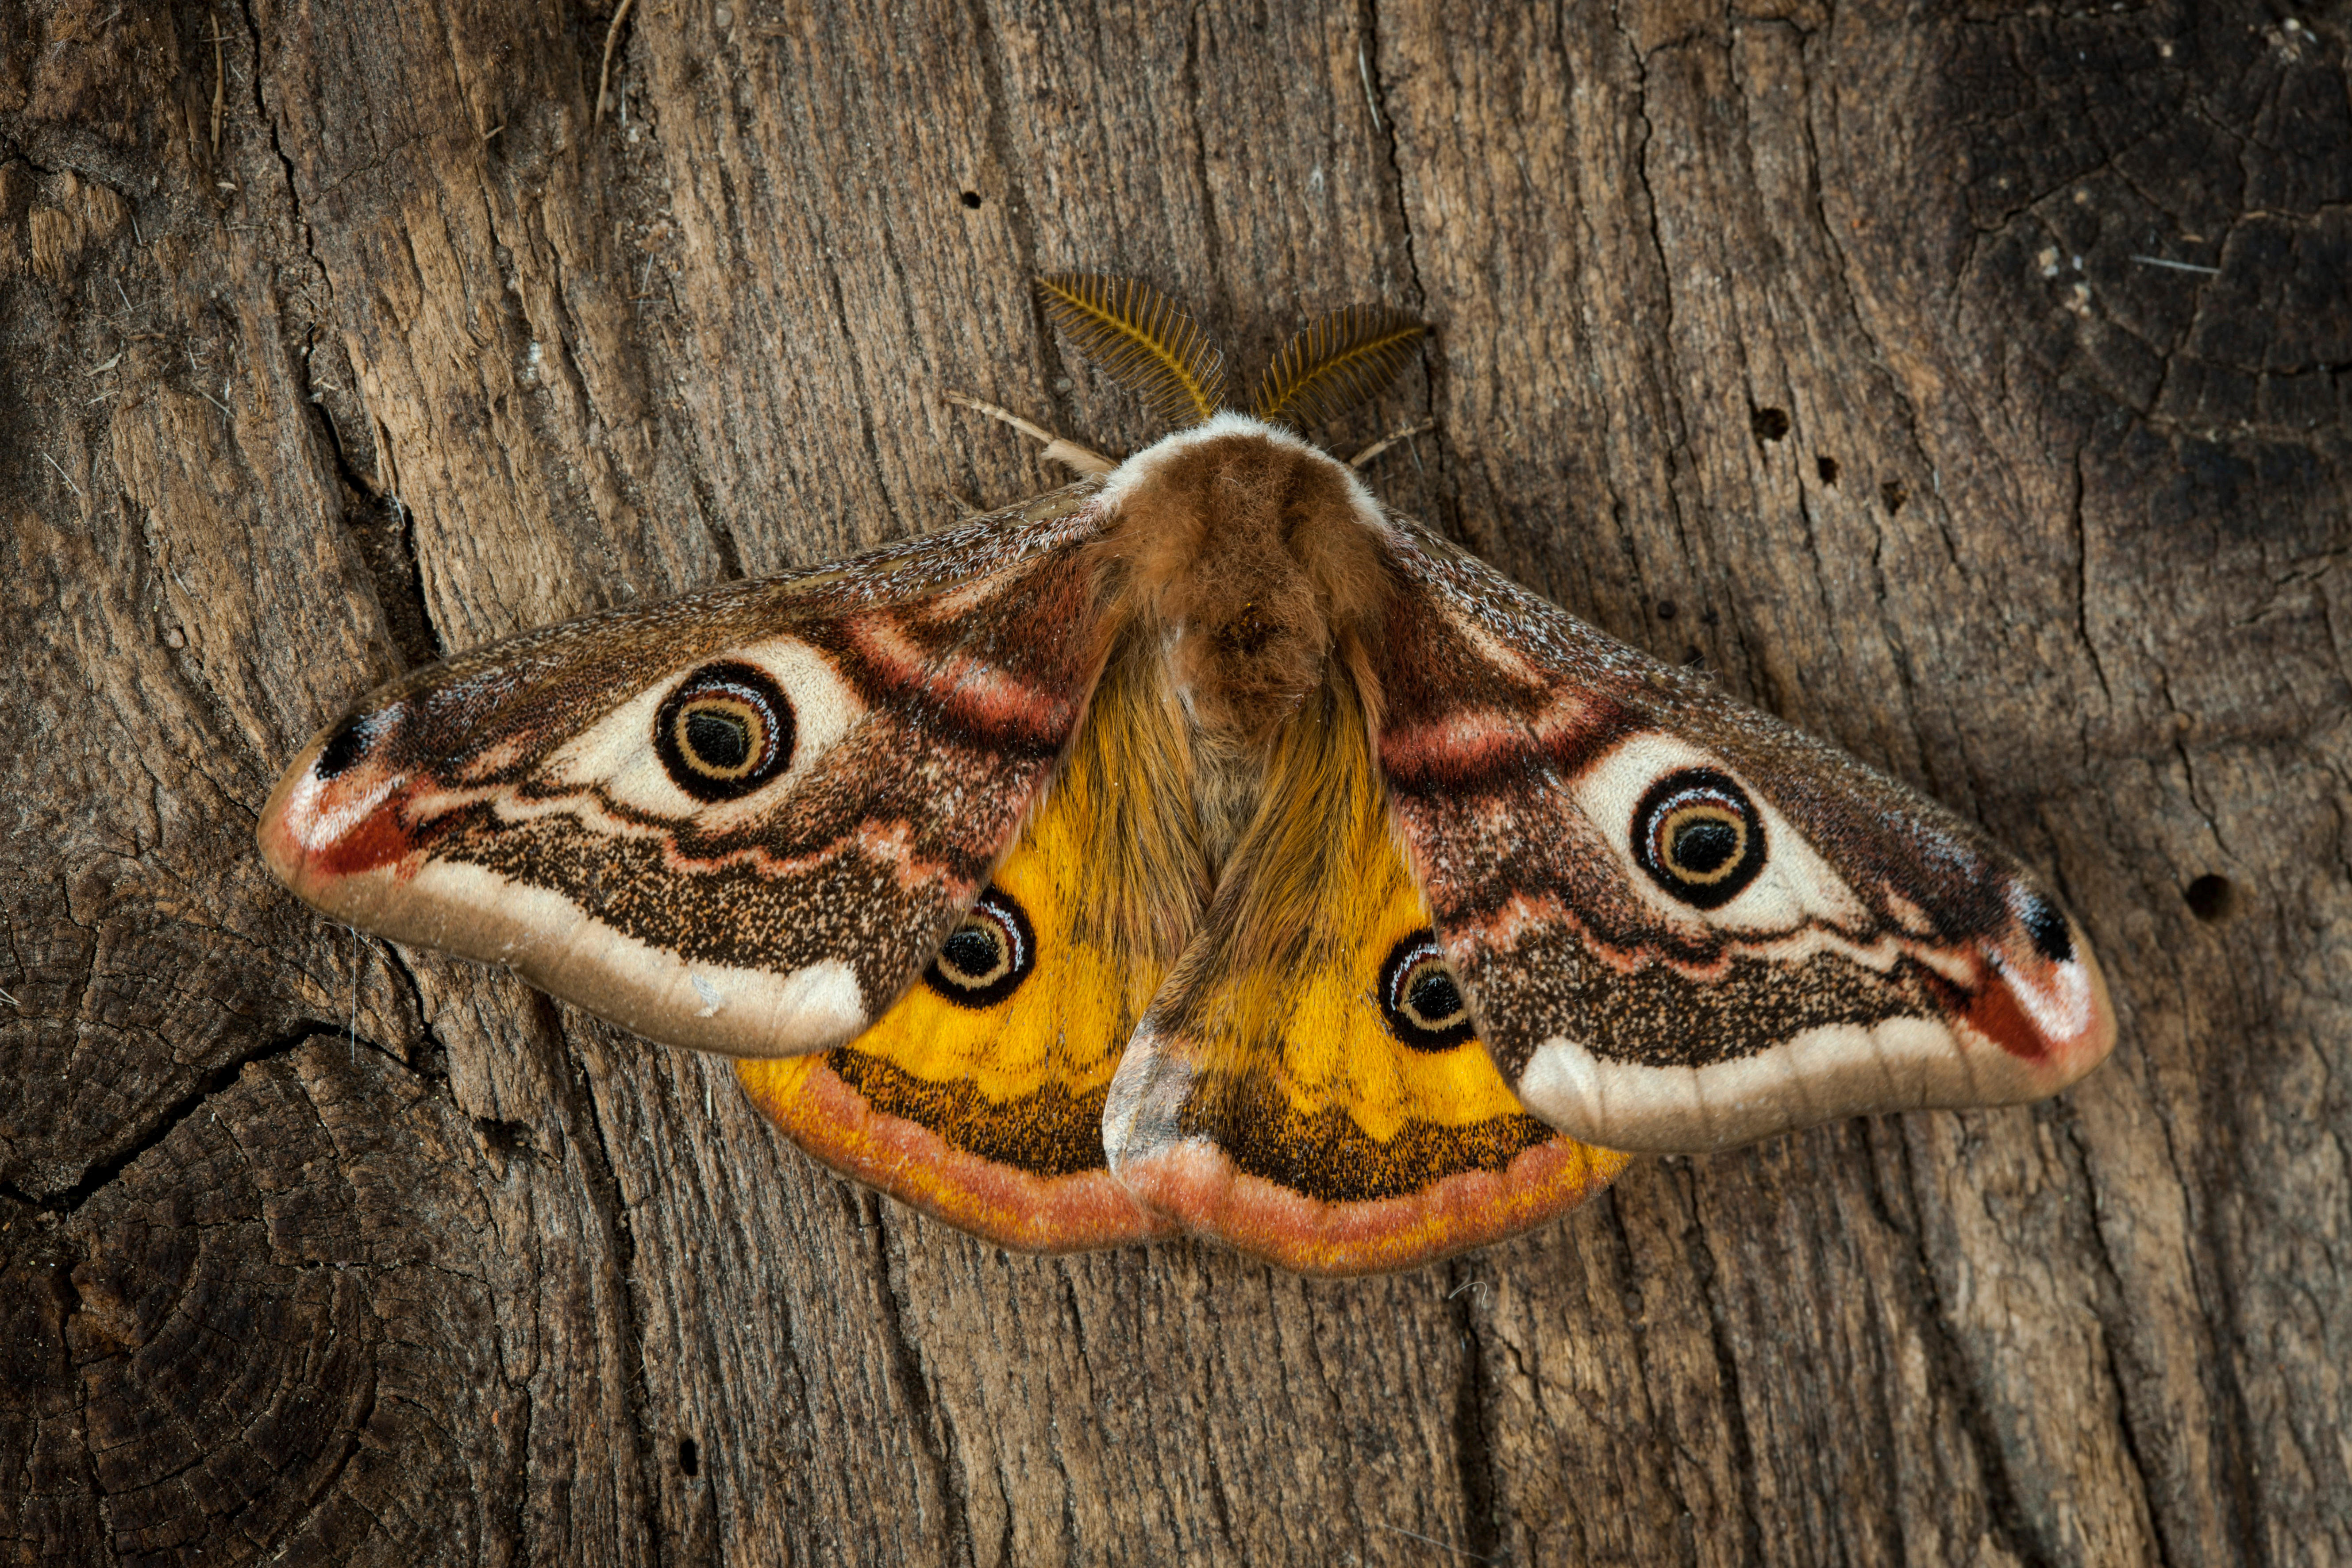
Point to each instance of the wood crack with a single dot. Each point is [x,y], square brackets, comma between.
[101,1174]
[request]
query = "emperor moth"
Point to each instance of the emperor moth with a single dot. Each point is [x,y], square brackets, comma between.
[1200,846]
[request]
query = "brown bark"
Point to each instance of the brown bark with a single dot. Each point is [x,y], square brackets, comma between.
[1972,389]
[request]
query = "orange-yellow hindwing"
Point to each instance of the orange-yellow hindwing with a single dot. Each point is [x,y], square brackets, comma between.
[1309,1084]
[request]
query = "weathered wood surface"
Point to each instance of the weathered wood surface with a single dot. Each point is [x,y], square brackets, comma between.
[1969,389]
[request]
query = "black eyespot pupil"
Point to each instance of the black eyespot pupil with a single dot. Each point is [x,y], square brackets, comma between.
[1420,998]
[718,739]
[984,960]
[1435,997]
[970,953]
[1705,846]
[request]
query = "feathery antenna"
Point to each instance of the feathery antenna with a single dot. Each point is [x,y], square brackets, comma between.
[1141,339]
[1336,362]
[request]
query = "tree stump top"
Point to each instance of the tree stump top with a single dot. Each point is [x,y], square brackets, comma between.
[1966,387]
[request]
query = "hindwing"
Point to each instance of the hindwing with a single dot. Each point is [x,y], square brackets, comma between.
[1307,1085]
[980,1096]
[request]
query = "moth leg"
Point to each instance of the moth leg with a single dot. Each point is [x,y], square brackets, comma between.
[1385,442]
[1094,465]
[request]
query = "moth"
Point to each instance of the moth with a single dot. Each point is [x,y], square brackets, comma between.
[1200,847]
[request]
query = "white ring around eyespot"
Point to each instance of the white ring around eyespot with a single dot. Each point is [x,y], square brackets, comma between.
[617,753]
[1793,884]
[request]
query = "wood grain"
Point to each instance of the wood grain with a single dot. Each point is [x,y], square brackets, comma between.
[1967,386]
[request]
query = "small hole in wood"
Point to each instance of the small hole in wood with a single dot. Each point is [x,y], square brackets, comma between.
[1770,423]
[689,1455]
[1665,609]
[1892,493]
[972,198]
[506,1137]
[2210,898]
[1827,469]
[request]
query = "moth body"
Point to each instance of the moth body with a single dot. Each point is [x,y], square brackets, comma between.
[1249,555]
[1197,848]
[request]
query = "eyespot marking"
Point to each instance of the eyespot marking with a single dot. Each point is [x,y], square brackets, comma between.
[726,730]
[985,959]
[352,740]
[1420,997]
[2048,929]
[1699,836]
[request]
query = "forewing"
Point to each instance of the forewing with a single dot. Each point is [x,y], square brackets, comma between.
[740,820]
[1681,924]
